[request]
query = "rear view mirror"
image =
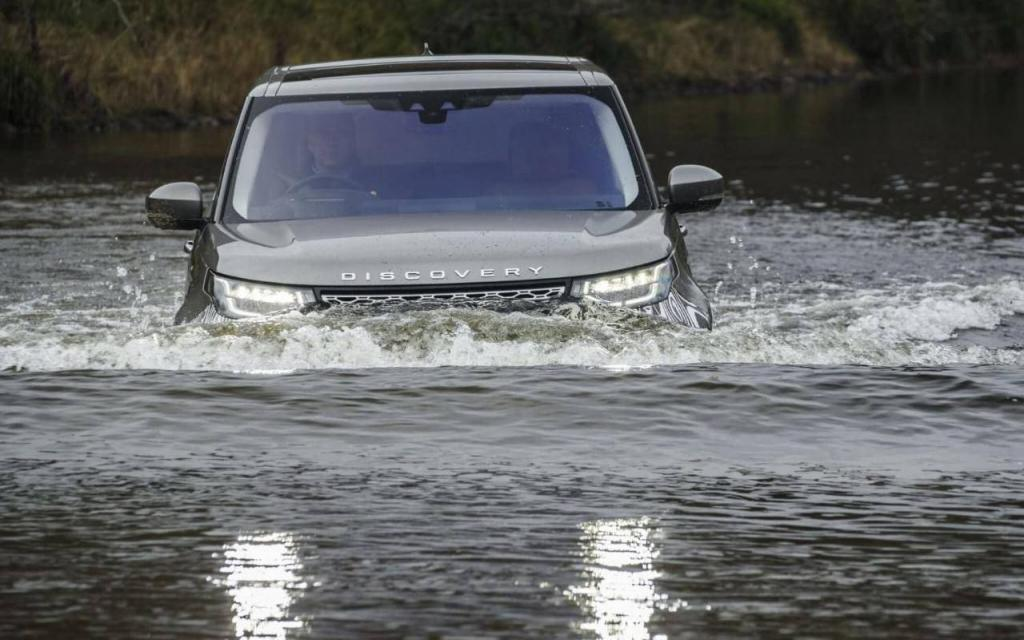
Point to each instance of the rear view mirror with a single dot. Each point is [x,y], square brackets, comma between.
[178,205]
[692,187]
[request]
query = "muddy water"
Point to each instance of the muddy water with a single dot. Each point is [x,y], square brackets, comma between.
[842,457]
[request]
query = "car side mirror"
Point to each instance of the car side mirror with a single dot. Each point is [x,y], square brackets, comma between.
[178,205]
[692,187]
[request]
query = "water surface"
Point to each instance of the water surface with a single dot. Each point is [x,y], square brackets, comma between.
[842,457]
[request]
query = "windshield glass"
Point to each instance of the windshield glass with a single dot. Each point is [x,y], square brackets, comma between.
[425,152]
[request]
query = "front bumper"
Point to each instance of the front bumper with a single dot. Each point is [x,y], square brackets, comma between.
[682,303]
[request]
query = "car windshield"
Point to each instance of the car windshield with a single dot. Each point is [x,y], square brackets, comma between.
[428,152]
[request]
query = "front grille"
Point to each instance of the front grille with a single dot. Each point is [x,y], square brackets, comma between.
[474,296]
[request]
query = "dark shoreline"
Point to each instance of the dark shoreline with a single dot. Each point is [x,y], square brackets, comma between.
[163,120]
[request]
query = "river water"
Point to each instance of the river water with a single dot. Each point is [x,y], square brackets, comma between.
[842,457]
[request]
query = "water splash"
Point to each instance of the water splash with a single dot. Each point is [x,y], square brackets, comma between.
[899,326]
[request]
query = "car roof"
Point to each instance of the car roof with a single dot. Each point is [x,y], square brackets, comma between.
[430,72]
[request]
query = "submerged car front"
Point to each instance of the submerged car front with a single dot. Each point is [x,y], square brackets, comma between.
[501,196]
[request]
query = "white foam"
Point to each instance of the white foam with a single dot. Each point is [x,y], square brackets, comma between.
[905,325]
[944,310]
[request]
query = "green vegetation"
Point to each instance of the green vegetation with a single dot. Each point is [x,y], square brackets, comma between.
[75,63]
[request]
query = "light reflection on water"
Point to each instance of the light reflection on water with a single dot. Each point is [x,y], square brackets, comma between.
[618,592]
[262,575]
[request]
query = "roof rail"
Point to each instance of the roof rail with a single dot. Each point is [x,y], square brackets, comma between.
[428,63]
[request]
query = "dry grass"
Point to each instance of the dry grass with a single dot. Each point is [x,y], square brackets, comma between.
[189,71]
[207,69]
[101,59]
[697,50]
[183,72]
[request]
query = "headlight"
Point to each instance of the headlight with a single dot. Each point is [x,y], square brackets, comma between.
[239,299]
[633,288]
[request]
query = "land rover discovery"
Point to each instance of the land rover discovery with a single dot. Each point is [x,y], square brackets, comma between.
[437,180]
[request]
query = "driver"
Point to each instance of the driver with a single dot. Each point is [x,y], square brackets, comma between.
[331,144]
[320,157]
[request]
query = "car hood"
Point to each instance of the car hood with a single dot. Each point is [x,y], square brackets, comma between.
[439,249]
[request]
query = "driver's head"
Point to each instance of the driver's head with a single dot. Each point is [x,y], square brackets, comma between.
[331,142]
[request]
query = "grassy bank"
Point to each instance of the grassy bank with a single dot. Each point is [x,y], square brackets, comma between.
[90,63]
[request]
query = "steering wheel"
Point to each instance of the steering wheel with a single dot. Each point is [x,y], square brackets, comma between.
[328,179]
